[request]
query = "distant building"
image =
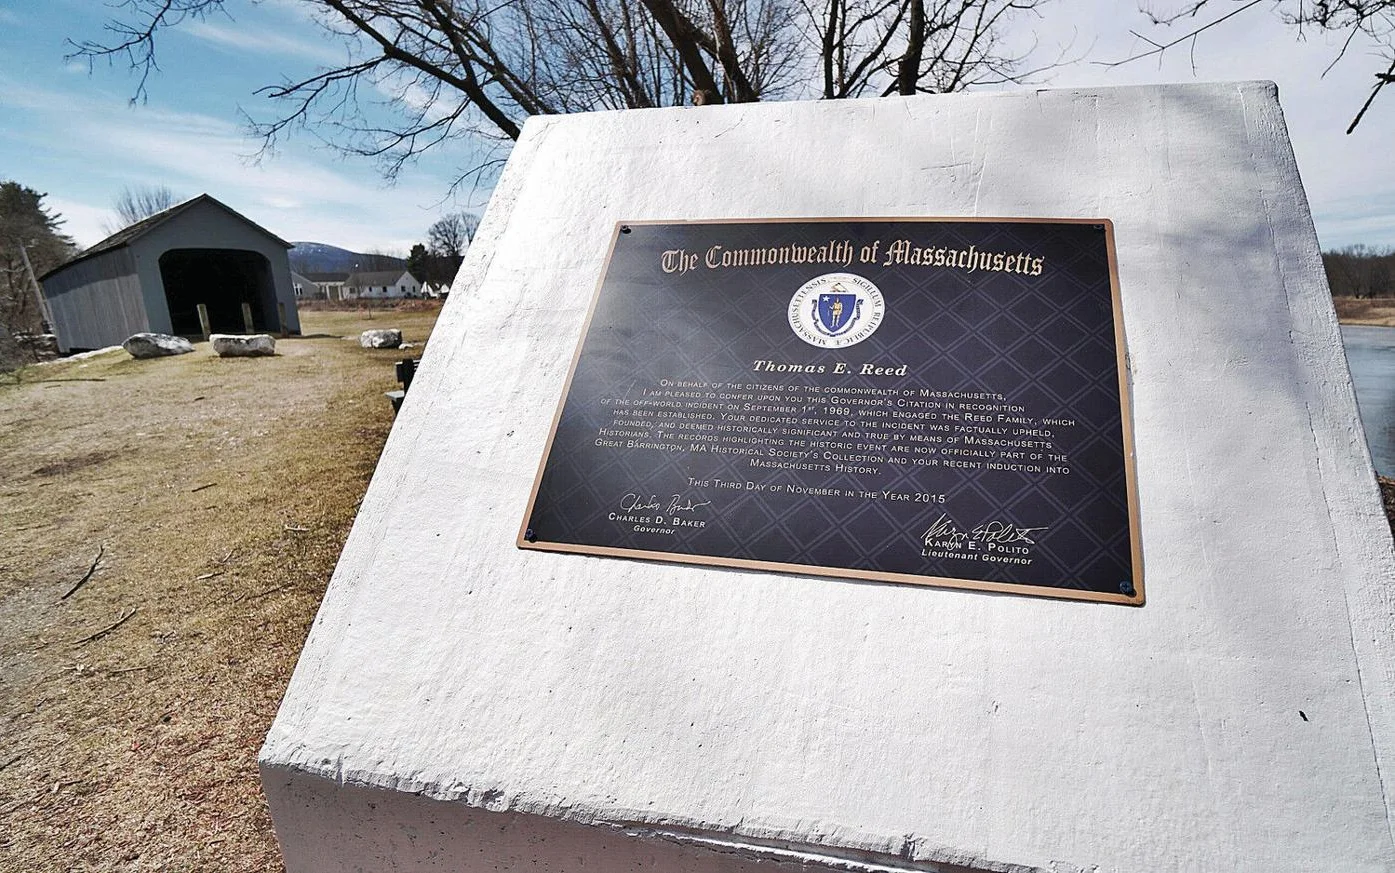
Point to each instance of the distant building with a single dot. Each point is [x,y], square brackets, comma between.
[330,285]
[303,287]
[153,275]
[382,284]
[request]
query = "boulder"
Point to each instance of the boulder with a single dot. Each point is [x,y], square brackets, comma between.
[228,345]
[388,338]
[156,345]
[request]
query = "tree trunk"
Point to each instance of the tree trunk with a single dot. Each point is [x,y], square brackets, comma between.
[685,36]
[908,70]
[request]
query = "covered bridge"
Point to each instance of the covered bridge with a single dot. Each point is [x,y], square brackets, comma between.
[153,275]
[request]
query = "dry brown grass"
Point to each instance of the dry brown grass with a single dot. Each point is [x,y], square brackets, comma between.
[1379,312]
[222,491]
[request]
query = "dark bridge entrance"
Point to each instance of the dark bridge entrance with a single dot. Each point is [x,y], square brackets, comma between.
[222,280]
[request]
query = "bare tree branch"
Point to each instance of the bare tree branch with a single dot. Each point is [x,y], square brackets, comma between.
[687,41]
[1382,79]
[1158,48]
[466,82]
[139,202]
[137,41]
[451,235]
[421,73]
[1373,20]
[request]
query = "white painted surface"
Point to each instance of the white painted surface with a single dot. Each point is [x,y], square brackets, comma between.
[920,725]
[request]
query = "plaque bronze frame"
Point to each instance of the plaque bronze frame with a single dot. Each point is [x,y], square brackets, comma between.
[1132,591]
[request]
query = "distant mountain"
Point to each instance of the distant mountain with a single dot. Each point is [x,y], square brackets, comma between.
[314,257]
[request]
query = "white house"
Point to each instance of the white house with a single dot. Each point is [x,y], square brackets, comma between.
[382,284]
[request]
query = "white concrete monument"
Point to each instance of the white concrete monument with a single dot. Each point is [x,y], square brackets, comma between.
[465,704]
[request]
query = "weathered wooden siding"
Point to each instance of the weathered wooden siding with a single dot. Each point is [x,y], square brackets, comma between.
[97,302]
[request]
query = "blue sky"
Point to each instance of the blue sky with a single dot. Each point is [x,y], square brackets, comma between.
[75,135]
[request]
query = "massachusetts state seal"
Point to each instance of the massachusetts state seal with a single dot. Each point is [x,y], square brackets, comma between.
[836,310]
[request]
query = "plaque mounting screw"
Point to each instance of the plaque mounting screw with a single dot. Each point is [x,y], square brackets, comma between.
[624,228]
[1125,587]
[530,535]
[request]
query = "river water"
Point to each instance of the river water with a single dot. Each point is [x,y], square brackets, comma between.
[1371,354]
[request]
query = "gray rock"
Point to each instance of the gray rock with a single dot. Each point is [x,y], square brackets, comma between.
[156,345]
[228,345]
[389,338]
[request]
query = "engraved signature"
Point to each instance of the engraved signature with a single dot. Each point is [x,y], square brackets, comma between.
[633,502]
[995,532]
[680,505]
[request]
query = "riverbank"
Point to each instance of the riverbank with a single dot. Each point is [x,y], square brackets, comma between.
[1372,312]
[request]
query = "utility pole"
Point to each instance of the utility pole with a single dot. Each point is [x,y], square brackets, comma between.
[44,314]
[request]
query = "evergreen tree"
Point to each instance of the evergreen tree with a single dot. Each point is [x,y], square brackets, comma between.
[27,229]
[417,263]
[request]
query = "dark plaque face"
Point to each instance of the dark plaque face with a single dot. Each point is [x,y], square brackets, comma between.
[920,401]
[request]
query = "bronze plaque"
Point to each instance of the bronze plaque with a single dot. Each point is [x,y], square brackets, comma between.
[927,401]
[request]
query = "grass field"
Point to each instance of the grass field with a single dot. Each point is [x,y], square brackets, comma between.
[218,493]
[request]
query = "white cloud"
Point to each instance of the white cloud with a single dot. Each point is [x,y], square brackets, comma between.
[205,152]
[82,221]
[299,193]
[276,201]
[400,88]
[259,40]
[23,95]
